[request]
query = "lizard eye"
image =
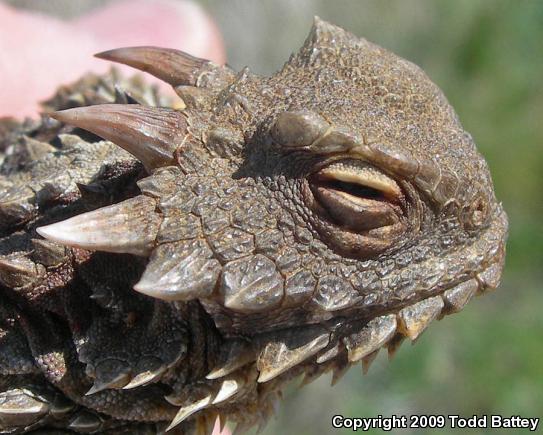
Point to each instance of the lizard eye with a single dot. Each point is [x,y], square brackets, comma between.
[357,196]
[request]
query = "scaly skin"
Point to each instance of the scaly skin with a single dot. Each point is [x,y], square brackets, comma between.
[278,226]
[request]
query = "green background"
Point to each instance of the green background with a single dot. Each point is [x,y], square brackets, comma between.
[487,56]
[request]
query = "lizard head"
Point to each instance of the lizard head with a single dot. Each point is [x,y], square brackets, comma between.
[317,215]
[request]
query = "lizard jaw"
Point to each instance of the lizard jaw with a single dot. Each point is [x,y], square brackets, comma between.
[275,358]
[359,337]
[353,335]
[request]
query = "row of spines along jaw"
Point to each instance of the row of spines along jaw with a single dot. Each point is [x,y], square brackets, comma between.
[268,359]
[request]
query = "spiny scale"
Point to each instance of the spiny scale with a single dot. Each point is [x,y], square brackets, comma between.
[180,271]
[19,407]
[114,383]
[128,227]
[17,271]
[227,389]
[457,297]
[394,344]
[374,335]
[277,358]
[145,378]
[110,373]
[414,319]
[340,367]
[368,360]
[150,134]
[234,355]
[329,354]
[85,422]
[47,252]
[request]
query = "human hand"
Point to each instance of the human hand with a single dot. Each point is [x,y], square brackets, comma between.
[39,52]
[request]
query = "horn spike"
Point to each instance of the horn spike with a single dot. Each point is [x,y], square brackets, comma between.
[172,66]
[114,383]
[233,355]
[145,378]
[180,271]
[375,334]
[339,371]
[150,134]
[414,319]
[393,345]
[277,358]
[127,227]
[227,389]
[457,297]
[187,411]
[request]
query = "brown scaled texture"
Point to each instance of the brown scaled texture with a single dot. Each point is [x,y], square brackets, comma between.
[272,227]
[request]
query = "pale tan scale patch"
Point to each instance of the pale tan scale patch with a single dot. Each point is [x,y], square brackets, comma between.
[363,176]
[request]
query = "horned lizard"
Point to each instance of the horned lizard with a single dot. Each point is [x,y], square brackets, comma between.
[160,267]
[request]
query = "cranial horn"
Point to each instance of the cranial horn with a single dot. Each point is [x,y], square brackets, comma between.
[175,67]
[128,227]
[150,134]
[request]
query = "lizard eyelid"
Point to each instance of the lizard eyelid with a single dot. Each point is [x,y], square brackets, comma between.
[357,196]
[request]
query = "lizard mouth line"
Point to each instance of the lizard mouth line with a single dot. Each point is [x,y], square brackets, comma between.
[361,340]
[341,341]
[454,296]
[351,343]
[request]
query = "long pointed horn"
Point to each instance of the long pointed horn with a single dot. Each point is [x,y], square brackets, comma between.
[128,227]
[151,134]
[172,66]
